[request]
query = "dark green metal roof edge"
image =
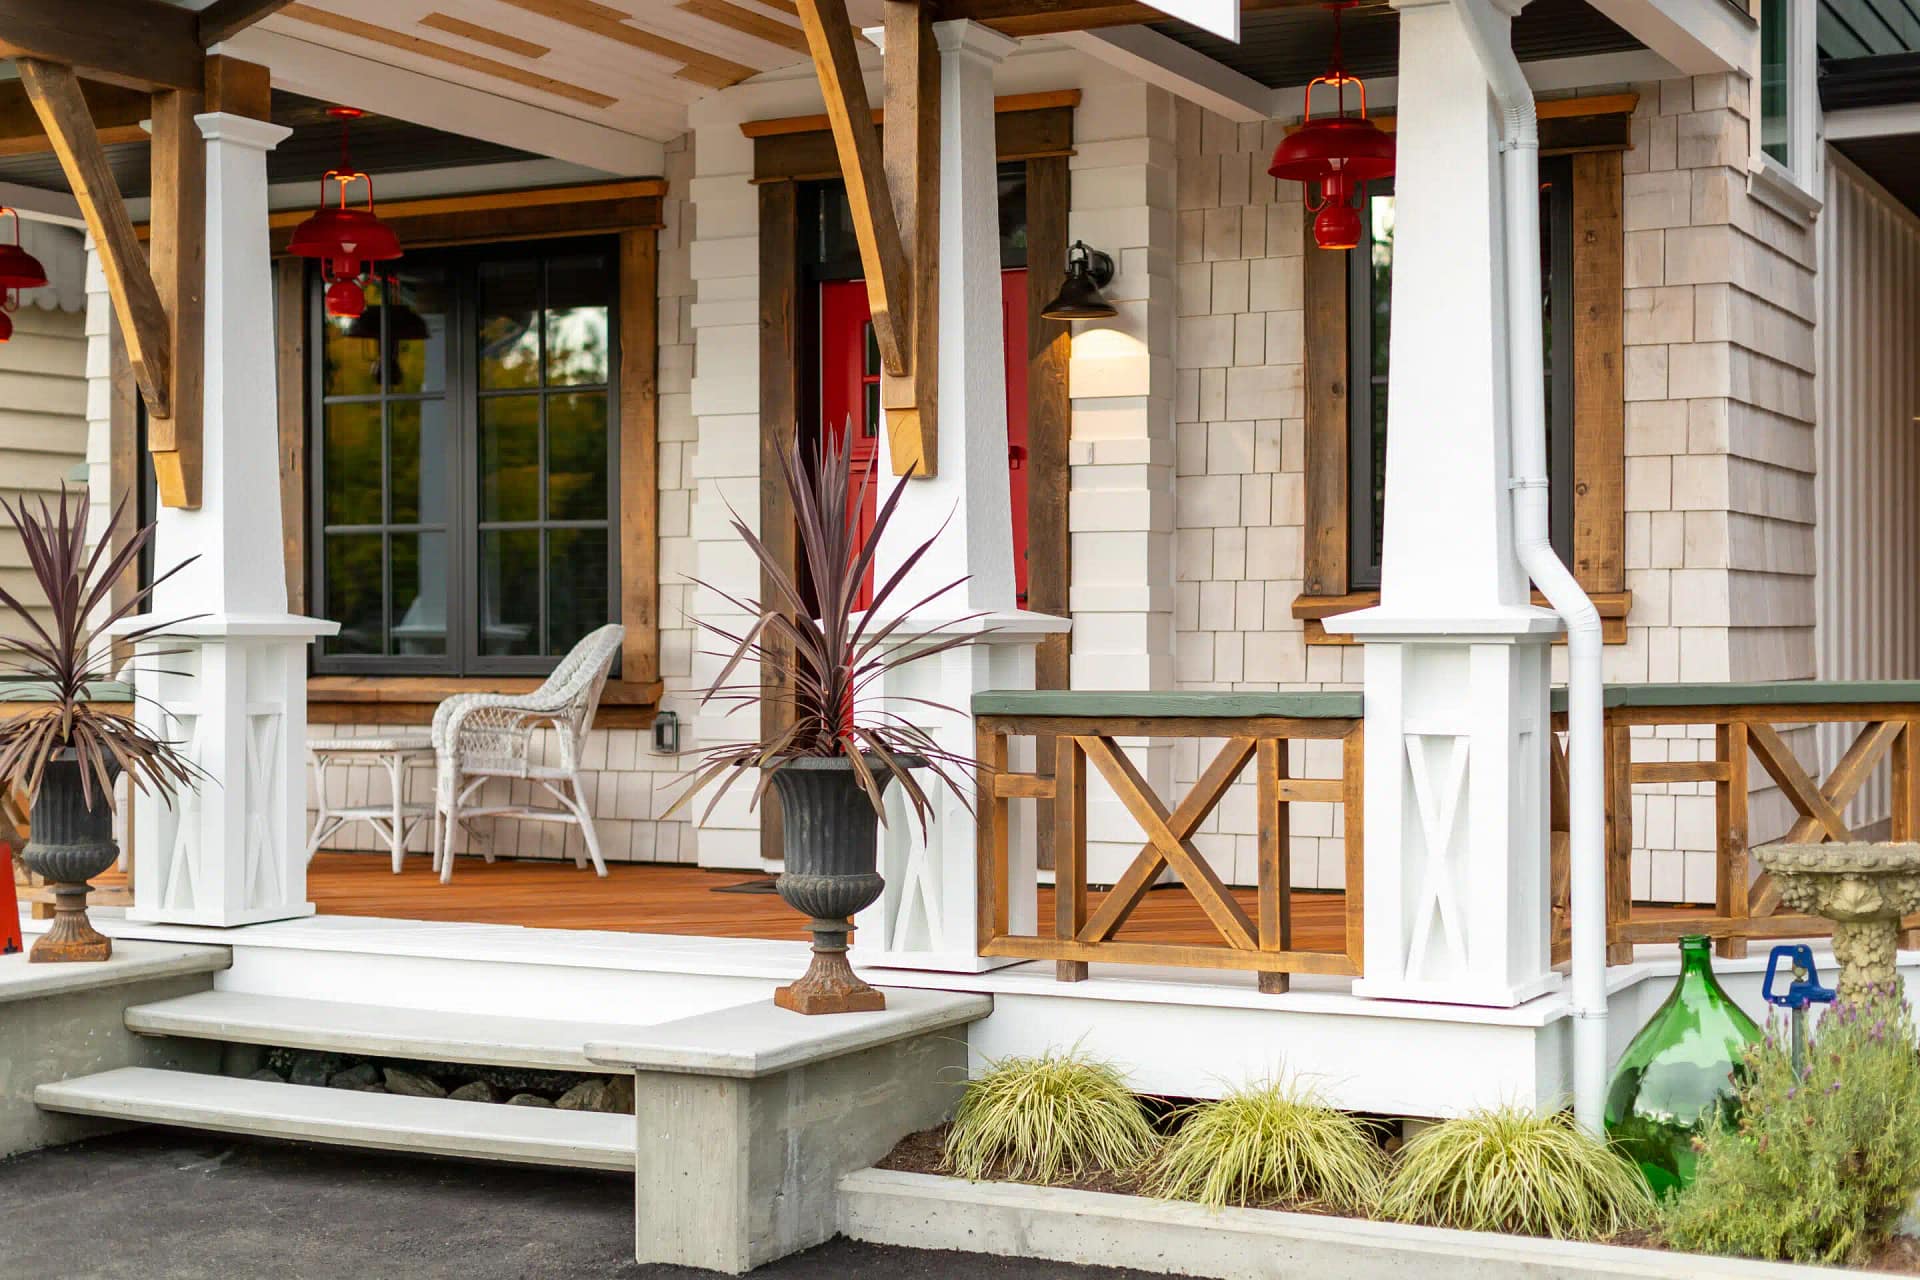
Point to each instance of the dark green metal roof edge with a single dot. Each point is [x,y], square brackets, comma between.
[1100,702]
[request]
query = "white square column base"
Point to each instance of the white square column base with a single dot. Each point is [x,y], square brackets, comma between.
[231,694]
[1457,872]
[928,915]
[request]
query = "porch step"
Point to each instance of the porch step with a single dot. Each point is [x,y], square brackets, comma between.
[339,1117]
[376,1031]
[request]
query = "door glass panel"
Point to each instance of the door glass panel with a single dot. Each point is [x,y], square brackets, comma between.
[420,569]
[417,446]
[416,330]
[509,458]
[350,448]
[576,320]
[577,456]
[351,363]
[509,591]
[509,324]
[576,585]
[354,590]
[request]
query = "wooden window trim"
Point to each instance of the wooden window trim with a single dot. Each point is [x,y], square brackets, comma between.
[634,216]
[1049,410]
[1599,535]
[1022,133]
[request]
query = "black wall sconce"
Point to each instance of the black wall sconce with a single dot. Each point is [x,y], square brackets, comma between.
[1088,272]
[666,734]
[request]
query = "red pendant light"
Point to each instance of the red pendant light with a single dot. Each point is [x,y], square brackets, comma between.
[18,270]
[1337,154]
[347,239]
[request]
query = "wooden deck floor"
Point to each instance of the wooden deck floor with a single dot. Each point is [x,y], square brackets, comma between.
[672,899]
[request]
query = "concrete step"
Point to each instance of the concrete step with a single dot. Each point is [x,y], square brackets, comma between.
[377,1031]
[338,1117]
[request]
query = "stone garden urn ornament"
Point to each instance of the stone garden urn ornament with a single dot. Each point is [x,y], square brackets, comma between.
[1865,889]
[830,756]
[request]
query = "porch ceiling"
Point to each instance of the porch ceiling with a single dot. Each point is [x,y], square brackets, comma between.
[1288,47]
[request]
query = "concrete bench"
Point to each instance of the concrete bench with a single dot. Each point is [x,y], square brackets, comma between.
[746,1118]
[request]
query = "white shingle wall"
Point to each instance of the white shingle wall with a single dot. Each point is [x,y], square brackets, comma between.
[1240,514]
[1719,388]
[628,785]
[1718,439]
[1121,383]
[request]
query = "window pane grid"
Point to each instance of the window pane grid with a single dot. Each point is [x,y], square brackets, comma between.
[410,555]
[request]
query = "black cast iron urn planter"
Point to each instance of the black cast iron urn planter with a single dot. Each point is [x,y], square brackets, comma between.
[830,834]
[71,843]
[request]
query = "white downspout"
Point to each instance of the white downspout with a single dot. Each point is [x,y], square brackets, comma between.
[1520,142]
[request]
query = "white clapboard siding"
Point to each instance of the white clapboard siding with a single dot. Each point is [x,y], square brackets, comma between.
[43,423]
[1868,484]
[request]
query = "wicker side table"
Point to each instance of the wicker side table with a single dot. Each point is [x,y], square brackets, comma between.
[396,819]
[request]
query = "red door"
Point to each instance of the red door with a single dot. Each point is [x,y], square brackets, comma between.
[850,398]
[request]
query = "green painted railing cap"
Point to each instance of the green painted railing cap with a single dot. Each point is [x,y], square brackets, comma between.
[21,689]
[1224,706]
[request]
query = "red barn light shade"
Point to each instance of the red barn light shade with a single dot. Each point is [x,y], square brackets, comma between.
[18,270]
[1334,157]
[346,239]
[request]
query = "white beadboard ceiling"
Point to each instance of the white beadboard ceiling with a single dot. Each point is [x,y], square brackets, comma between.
[562,56]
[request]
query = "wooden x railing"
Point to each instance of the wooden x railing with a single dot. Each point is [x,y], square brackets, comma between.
[1747,720]
[1077,735]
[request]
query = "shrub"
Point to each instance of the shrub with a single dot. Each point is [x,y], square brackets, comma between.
[1269,1143]
[1511,1170]
[1821,1169]
[1048,1119]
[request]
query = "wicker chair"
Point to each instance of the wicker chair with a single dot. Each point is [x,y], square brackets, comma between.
[481,737]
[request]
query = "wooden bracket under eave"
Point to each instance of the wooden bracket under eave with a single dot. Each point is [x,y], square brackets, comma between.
[894,202]
[146,299]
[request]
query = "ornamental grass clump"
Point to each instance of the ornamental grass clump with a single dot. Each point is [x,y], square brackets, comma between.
[1269,1144]
[1513,1171]
[1817,1169]
[1050,1119]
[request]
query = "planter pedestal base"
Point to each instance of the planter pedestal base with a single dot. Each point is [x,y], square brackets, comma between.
[72,936]
[829,984]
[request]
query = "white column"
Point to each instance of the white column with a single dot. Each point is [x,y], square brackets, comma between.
[229,682]
[1456,657]
[926,919]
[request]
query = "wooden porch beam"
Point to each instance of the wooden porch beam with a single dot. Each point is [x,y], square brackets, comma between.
[179,259]
[882,253]
[116,113]
[912,159]
[141,44]
[55,93]
[225,19]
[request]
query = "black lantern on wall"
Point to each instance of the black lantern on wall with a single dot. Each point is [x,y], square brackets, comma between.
[1088,272]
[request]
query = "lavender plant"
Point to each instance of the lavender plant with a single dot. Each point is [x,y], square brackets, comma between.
[1818,1169]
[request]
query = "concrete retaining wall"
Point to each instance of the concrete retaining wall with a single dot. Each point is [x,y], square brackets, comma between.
[63,1020]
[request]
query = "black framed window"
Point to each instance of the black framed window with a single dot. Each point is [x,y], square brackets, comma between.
[464,443]
[1369,326]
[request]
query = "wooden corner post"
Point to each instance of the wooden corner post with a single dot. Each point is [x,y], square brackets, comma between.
[886,194]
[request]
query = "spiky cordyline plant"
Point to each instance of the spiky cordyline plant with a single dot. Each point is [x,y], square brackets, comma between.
[73,653]
[828,661]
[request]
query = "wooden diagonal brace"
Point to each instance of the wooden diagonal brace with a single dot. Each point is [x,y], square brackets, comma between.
[894,201]
[179,265]
[54,91]
[882,253]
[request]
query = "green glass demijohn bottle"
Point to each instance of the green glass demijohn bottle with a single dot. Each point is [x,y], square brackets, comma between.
[1678,1076]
